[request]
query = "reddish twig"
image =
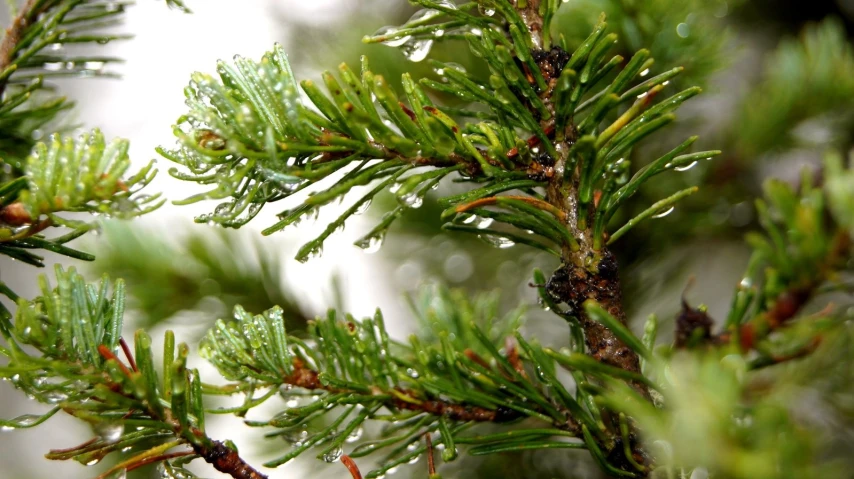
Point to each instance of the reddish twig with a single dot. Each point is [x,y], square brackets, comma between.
[108,355]
[431,465]
[492,200]
[128,355]
[351,466]
[406,399]
[513,356]
[13,36]
[72,449]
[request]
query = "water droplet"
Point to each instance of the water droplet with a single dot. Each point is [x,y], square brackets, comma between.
[54,397]
[53,66]
[315,252]
[411,200]
[446,3]
[363,207]
[498,241]
[412,373]
[26,420]
[424,15]
[416,50]
[355,435]
[109,432]
[686,167]
[683,30]
[486,10]
[333,455]
[391,470]
[94,461]
[665,212]
[483,222]
[389,31]
[372,244]
[292,402]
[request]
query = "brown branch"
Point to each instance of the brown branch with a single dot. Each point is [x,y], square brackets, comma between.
[108,355]
[351,466]
[13,36]
[535,202]
[220,456]
[529,10]
[128,355]
[431,465]
[227,461]
[406,399]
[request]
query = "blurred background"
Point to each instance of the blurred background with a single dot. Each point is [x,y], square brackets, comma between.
[779,83]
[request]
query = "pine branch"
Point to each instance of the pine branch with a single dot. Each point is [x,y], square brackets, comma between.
[74,331]
[69,176]
[550,132]
[13,36]
[428,386]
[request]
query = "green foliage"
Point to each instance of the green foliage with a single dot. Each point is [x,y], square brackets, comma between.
[440,385]
[809,79]
[69,176]
[251,136]
[61,350]
[47,40]
[166,277]
[690,33]
[543,141]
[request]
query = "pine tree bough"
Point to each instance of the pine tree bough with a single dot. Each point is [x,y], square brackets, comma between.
[13,36]
[574,285]
[226,460]
[403,399]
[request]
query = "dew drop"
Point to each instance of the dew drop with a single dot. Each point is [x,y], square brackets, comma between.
[665,212]
[372,244]
[485,10]
[424,15]
[315,252]
[686,167]
[333,455]
[498,241]
[292,402]
[416,50]
[26,420]
[355,435]
[411,200]
[109,432]
[94,461]
[54,397]
[644,73]
[363,207]
[483,222]
[389,31]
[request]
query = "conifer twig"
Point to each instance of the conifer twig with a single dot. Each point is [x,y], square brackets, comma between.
[307,378]
[13,36]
